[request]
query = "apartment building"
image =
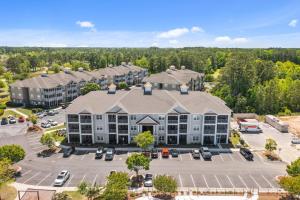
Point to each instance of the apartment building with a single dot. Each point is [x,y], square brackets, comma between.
[52,90]
[173,78]
[173,117]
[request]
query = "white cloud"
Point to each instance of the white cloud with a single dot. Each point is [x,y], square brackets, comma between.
[154,44]
[173,41]
[85,24]
[196,29]
[293,23]
[174,33]
[228,40]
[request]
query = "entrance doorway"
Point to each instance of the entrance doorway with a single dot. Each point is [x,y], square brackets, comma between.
[112,139]
[147,128]
[172,139]
[123,139]
[182,139]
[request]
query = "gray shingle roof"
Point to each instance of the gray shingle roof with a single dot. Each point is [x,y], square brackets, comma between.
[161,101]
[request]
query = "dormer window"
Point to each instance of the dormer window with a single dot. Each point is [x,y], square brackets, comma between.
[184,89]
[148,88]
[112,89]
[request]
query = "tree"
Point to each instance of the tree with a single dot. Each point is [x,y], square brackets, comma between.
[6,171]
[165,184]
[291,184]
[90,191]
[123,85]
[89,87]
[13,152]
[270,145]
[61,196]
[136,162]
[144,139]
[33,119]
[8,76]
[116,187]
[293,169]
[47,139]
[82,187]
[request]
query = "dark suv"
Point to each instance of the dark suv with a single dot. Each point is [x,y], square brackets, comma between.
[246,153]
[4,121]
[206,154]
[154,153]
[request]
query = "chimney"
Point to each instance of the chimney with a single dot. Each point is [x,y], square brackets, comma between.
[169,71]
[112,89]
[80,69]
[172,67]
[182,67]
[147,88]
[184,89]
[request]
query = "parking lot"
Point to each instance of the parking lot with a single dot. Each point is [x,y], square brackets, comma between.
[228,170]
[59,117]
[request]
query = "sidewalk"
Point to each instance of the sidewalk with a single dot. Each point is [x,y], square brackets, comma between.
[24,187]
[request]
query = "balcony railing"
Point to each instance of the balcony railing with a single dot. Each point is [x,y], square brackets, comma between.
[209,131]
[86,131]
[85,120]
[123,131]
[172,121]
[209,121]
[74,130]
[72,119]
[112,130]
[222,120]
[182,130]
[183,121]
[124,121]
[172,131]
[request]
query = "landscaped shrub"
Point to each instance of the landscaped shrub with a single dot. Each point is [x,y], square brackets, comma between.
[12,152]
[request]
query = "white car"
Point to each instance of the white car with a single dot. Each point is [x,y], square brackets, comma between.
[45,125]
[62,177]
[295,140]
[52,122]
[148,180]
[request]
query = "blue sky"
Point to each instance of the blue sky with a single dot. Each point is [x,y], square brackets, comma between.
[141,23]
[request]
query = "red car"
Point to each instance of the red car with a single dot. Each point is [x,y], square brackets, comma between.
[21,119]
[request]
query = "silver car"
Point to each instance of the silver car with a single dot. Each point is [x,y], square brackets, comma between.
[148,180]
[295,140]
[62,177]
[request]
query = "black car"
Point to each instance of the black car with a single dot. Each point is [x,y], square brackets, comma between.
[174,153]
[68,152]
[4,121]
[154,153]
[99,153]
[246,153]
[109,154]
[206,154]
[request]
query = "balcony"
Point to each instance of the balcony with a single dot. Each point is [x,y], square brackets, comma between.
[182,130]
[122,131]
[183,121]
[123,120]
[112,119]
[73,130]
[172,121]
[85,120]
[209,121]
[86,130]
[112,130]
[172,131]
[73,118]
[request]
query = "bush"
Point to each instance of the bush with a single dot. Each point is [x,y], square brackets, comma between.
[209,78]
[82,187]
[165,184]
[36,110]
[13,152]
[1,112]
[2,106]
[122,85]
[294,168]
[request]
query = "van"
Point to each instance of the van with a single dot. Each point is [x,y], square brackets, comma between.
[165,153]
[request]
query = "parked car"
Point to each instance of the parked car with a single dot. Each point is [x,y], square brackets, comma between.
[148,180]
[41,115]
[146,153]
[246,153]
[12,120]
[154,153]
[174,153]
[62,177]
[51,113]
[165,153]
[196,154]
[52,122]
[21,119]
[4,121]
[109,154]
[68,152]
[295,140]
[206,154]
[99,153]
[45,125]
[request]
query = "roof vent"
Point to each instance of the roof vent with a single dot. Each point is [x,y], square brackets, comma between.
[112,89]
[169,71]
[172,67]
[148,88]
[184,89]
[80,69]
[182,67]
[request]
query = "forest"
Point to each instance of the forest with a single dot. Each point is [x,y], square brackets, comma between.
[249,80]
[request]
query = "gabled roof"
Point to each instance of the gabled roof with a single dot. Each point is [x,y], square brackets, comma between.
[147,120]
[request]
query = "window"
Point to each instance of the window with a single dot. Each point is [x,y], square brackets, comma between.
[222,128]
[222,119]
[196,128]
[161,128]
[161,117]
[99,117]
[100,138]
[161,138]
[99,128]
[210,119]
[132,117]
[209,129]
[195,138]
[196,117]
[133,128]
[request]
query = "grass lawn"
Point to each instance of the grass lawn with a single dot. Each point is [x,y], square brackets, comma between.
[55,128]
[75,195]
[8,192]
[25,111]
[10,112]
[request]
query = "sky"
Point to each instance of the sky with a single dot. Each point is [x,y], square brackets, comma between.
[159,23]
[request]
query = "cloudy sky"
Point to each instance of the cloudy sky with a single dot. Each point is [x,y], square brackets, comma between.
[141,23]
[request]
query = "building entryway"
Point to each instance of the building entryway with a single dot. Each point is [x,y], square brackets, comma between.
[182,139]
[172,139]
[208,140]
[147,128]
[123,139]
[112,139]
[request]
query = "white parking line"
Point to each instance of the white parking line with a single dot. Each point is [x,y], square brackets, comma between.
[31,177]
[231,157]
[94,181]
[230,181]
[242,158]
[23,174]
[69,181]
[43,179]
[260,157]
[191,157]
[205,180]
[71,157]
[179,177]
[180,157]
[83,178]
[242,180]
[220,186]
[255,181]
[160,156]
[83,157]
[221,157]
[193,180]
[267,181]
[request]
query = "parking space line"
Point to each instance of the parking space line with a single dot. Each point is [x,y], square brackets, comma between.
[94,181]
[191,157]
[231,157]
[23,174]
[193,180]
[230,181]
[180,157]
[44,179]
[31,177]
[272,186]
[242,158]
[205,180]
[260,157]
[71,157]
[254,181]
[83,157]
[83,178]
[221,157]
[160,156]
[218,181]
[69,181]
[180,180]
[242,180]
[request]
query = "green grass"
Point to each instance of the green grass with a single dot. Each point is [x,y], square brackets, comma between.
[25,111]
[75,195]
[10,112]
[8,192]
[55,128]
